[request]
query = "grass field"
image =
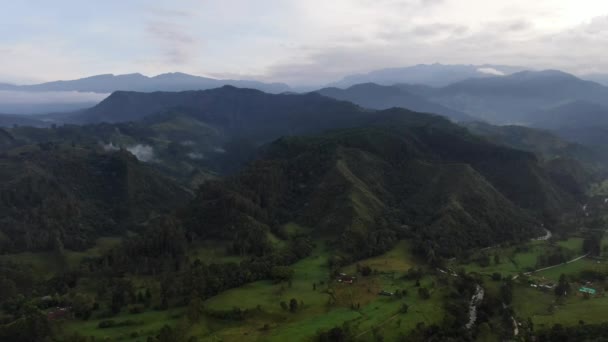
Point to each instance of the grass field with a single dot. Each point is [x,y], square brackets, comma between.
[148,324]
[318,314]
[398,259]
[543,307]
[571,268]
[545,311]
[512,261]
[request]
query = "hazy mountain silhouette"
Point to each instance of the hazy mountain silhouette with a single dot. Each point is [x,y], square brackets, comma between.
[514,98]
[137,82]
[437,75]
[370,95]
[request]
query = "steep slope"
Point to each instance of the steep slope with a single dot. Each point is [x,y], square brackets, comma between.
[575,114]
[360,186]
[571,165]
[56,195]
[580,121]
[375,96]
[543,143]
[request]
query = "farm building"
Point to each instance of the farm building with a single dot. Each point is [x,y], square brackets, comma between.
[587,290]
[345,278]
[57,313]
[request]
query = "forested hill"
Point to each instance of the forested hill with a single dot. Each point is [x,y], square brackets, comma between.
[214,130]
[402,174]
[380,169]
[237,110]
[55,196]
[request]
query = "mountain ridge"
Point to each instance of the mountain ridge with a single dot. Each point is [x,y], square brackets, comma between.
[174,81]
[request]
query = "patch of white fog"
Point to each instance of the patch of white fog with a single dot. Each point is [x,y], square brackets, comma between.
[144,153]
[110,147]
[219,150]
[196,155]
[491,71]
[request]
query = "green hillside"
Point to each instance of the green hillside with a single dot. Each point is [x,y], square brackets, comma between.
[404,174]
[54,195]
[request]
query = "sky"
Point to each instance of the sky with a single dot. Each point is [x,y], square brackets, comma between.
[300,42]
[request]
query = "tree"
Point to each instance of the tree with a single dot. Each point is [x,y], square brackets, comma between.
[404,308]
[424,293]
[506,291]
[82,305]
[592,245]
[365,270]
[195,309]
[58,250]
[167,334]
[8,289]
[293,305]
[281,273]
[563,287]
[337,334]
[148,297]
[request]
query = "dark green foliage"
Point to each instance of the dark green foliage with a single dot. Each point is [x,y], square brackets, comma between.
[582,332]
[66,197]
[281,273]
[336,334]
[293,305]
[424,293]
[32,326]
[563,286]
[160,248]
[592,244]
[506,291]
[362,184]
[364,270]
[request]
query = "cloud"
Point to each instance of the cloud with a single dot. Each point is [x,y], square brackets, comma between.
[167,12]
[144,153]
[491,71]
[110,147]
[300,42]
[502,37]
[175,42]
[196,155]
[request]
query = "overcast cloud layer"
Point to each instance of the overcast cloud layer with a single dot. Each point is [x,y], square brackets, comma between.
[295,41]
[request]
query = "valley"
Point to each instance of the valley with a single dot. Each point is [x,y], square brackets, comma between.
[304,170]
[232,214]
